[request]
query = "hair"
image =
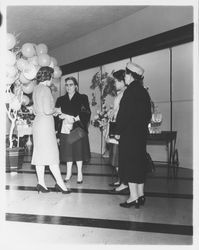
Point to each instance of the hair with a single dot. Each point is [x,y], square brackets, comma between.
[74,81]
[119,75]
[44,74]
[136,76]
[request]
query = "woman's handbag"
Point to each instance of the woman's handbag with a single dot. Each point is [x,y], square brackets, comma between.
[76,134]
[112,129]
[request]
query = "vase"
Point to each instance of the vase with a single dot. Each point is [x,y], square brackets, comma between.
[14,158]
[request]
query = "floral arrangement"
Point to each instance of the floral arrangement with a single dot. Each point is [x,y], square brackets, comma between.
[105,83]
[156,119]
[25,115]
[22,65]
[102,118]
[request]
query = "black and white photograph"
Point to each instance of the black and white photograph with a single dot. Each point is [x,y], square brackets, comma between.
[99,129]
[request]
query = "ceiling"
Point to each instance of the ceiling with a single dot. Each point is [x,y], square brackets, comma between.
[58,25]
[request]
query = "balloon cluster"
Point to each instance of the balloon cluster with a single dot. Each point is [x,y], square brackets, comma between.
[23,63]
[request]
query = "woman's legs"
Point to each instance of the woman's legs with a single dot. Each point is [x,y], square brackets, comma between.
[133,188]
[57,175]
[69,165]
[40,175]
[79,171]
[140,189]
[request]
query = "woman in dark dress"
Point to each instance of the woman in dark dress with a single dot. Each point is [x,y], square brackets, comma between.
[132,128]
[75,112]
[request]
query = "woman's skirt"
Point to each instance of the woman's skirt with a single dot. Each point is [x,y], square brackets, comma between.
[113,154]
[78,151]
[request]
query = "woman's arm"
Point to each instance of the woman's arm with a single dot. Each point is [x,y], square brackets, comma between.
[47,103]
[85,112]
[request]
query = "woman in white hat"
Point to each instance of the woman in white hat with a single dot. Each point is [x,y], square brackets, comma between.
[132,128]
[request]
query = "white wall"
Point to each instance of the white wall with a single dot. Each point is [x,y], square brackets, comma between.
[145,23]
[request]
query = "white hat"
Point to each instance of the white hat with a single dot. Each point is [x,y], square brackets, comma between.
[135,68]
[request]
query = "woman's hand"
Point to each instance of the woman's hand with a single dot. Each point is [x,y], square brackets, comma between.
[57,111]
[68,118]
[117,137]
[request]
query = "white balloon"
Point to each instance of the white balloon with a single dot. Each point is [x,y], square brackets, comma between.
[25,100]
[28,88]
[23,79]
[10,58]
[33,60]
[21,63]
[30,71]
[53,62]
[41,49]
[15,104]
[9,80]
[11,71]
[11,41]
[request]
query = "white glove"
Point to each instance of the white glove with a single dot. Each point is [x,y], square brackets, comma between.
[69,119]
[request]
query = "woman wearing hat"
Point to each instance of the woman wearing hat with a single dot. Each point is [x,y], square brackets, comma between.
[132,128]
[45,151]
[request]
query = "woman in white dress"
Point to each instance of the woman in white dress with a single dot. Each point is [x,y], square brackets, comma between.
[45,150]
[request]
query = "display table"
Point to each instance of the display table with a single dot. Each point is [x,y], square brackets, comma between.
[167,138]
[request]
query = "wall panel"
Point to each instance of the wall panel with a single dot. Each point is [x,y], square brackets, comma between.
[156,75]
[85,78]
[182,69]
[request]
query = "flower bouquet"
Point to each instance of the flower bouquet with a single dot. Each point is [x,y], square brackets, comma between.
[102,118]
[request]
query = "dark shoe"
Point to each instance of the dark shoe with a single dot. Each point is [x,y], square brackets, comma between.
[114,184]
[123,191]
[141,200]
[66,180]
[58,188]
[130,204]
[42,189]
[80,182]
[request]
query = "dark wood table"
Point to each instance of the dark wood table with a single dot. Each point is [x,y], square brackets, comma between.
[167,138]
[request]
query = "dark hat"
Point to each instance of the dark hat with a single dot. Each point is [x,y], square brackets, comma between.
[135,68]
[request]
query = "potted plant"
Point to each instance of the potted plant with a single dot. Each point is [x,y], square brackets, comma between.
[105,84]
[22,65]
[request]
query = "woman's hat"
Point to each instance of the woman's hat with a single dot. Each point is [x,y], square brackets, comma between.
[135,68]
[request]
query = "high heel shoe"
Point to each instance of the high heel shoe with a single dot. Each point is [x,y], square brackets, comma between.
[80,179]
[141,200]
[114,184]
[67,179]
[122,191]
[80,182]
[130,204]
[59,189]
[42,189]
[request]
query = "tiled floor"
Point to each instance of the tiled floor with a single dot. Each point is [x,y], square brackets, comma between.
[90,214]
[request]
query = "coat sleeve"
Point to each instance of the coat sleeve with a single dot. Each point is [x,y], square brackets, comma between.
[125,112]
[85,112]
[58,103]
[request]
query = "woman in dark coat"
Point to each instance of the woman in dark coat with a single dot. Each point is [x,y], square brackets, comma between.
[132,127]
[76,112]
